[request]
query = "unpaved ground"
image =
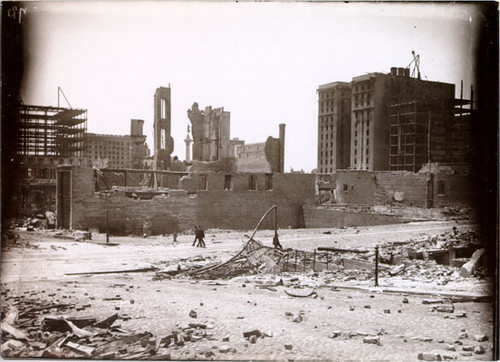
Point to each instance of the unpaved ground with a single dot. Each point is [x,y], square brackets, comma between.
[232,307]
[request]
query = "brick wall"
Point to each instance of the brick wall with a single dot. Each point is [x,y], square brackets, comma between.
[411,187]
[355,188]
[458,191]
[401,188]
[318,217]
[239,208]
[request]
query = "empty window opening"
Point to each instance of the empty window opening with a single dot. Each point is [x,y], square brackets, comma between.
[252,184]
[203,182]
[163,109]
[228,182]
[269,182]
[346,187]
[441,187]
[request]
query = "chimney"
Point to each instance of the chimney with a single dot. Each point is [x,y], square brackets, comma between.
[282,148]
[393,71]
[136,127]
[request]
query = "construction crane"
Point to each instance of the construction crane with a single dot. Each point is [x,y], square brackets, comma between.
[415,71]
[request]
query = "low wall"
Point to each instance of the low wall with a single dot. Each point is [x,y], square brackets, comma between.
[179,210]
[403,188]
[319,217]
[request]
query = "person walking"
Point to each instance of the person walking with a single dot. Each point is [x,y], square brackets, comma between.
[196,235]
[201,237]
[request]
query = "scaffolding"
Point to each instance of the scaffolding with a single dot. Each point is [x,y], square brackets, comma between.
[417,134]
[51,131]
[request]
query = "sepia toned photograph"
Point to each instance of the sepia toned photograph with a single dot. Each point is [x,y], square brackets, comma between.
[236,180]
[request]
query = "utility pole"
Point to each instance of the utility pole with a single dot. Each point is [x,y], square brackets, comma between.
[430,190]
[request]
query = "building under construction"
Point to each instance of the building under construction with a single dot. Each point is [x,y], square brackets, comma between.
[51,131]
[45,138]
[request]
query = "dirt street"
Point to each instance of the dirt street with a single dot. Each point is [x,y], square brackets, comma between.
[344,319]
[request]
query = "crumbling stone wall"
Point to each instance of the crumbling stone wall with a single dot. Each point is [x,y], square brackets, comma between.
[321,217]
[178,210]
[355,187]
[402,188]
[458,190]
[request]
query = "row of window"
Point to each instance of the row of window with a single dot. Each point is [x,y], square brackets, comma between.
[356,151]
[228,182]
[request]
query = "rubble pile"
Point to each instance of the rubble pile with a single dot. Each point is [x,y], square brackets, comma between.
[252,259]
[11,238]
[183,265]
[34,329]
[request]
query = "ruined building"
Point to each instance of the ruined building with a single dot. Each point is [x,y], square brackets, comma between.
[163,141]
[180,200]
[396,122]
[117,151]
[214,150]
[210,129]
[267,157]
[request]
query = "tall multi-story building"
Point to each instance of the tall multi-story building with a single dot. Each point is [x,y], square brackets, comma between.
[117,151]
[370,95]
[334,126]
[397,122]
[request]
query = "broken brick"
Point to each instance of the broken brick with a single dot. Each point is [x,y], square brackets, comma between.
[479,350]
[372,340]
[480,337]
[427,356]
[254,332]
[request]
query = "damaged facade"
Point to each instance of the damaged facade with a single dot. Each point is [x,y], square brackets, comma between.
[163,141]
[214,150]
[224,200]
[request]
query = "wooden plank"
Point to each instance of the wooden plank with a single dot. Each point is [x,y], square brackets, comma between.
[14,332]
[343,250]
[141,270]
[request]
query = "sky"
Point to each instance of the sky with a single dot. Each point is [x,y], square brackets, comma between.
[262,62]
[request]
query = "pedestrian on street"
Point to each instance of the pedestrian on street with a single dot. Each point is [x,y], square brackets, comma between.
[201,236]
[196,235]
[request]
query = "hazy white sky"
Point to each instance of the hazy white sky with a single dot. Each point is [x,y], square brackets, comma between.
[260,61]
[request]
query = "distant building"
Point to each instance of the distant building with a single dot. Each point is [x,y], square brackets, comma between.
[118,151]
[397,122]
[334,126]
